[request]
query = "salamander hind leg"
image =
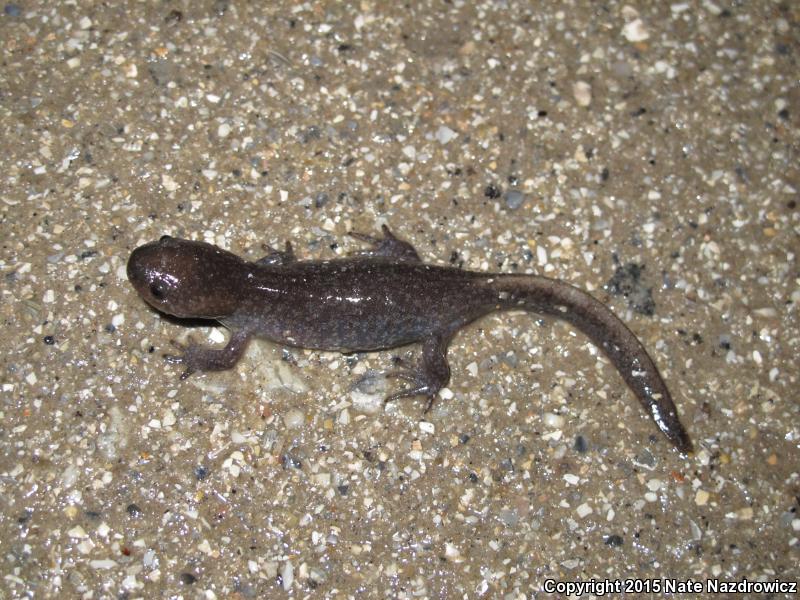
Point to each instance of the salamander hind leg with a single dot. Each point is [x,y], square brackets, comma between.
[277,257]
[389,246]
[200,358]
[430,376]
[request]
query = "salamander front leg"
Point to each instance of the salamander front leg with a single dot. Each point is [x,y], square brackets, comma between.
[200,358]
[388,246]
[432,374]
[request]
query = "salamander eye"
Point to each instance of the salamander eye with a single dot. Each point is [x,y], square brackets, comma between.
[156,291]
[164,237]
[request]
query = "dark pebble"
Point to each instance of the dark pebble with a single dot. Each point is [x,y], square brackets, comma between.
[133,510]
[187,578]
[174,16]
[581,445]
[291,462]
[507,464]
[493,191]
[613,540]
[12,10]
[200,473]
[343,489]
[49,340]
[627,281]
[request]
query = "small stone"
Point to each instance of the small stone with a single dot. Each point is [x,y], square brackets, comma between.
[654,485]
[287,576]
[444,134]
[582,92]
[368,393]
[294,418]
[701,497]
[77,532]
[571,479]
[553,420]
[168,420]
[509,517]
[427,427]
[635,31]
[12,10]
[493,191]
[168,183]
[514,199]
[451,552]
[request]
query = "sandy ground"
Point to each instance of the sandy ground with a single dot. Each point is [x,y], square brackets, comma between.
[648,155]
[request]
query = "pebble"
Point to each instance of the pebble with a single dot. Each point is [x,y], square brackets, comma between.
[514,199]
[444,134]
[287,576]
[12,10]
[553,420]
[582,92]
[635,31]
[294,418]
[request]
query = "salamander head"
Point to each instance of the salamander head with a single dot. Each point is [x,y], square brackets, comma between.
[187,279]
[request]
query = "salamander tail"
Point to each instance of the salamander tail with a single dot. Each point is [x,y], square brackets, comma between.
[593,318]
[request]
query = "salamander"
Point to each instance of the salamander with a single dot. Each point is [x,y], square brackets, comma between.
[377,299]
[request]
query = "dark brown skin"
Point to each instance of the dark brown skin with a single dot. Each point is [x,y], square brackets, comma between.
[382,298]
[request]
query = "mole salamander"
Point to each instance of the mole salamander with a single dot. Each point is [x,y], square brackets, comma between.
[378,299]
